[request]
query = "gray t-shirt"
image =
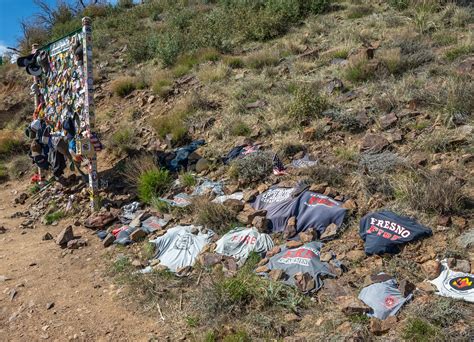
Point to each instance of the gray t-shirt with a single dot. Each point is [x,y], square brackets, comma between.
[179,247]
[304,259]
[240,242]
[384,298]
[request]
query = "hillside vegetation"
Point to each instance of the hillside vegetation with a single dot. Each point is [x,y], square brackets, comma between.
[380,93]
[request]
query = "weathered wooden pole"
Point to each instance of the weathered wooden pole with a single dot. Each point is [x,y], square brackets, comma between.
[89,111]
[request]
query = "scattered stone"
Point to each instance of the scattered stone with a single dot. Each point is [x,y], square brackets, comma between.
[330,232]
[261,223]
[247,216]
[373,143]
[65,236]
[351,305]
[308,235]
[209,259]
[22,198]
[290,229]
[275,250]
[3,230]
[137,263]
[202,165]
[355,255]
[444,221]
[250,195]
[379,327]
[376,278]
[294,244]
[330,191]
[431,268]
[334,84]
[256,104]
[183,271]
[319,188]
[325,257]
[335,289]
[49,305]
[137,235]
[108,240]
[47,237]
[276,274]
[291,317]
[12,294]
[426,286]
[350,204]
[304,282]
[76,243]
[459,221]
[234,205]
[388,120]
[309,133]
[262,269]
[462,266]
[406,287]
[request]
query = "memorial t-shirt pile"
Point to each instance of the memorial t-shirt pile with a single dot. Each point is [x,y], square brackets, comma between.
[312,210]
[240,242]
[384,231]
[179,247]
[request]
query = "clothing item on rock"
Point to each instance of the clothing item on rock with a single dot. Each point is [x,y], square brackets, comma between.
[384,298]
[240,151]
[312,210]
[216,187]
[180,200]
[221,199]
[240,242]
[154,223]
[303,162]
[453,284]
[305,259]
[179,247]
[128,212]
[180,161]
[384,231]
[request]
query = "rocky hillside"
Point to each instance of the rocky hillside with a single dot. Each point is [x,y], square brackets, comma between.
[376,98]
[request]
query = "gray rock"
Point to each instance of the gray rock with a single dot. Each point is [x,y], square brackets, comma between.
[65,236]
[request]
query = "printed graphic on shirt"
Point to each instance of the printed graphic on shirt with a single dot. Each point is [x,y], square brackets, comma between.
[390,302]
[244,239]
[301,256]
[316,200]
[387,229]
[183,242]
[462,283]
[276,195]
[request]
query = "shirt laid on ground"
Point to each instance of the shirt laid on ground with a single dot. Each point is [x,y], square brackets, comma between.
[384,298]
[304,259]
[312,210]
[384,231]
[318,211]
[240,242]
[179,247]
[453,284]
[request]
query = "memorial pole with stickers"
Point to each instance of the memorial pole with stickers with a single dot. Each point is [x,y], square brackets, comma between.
[62,126]
[89,110]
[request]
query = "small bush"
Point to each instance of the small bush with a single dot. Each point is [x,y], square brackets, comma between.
[442,312]
[171,125]
[459,51]
[54,217]
[361,11]
[153,183]
[459,96]
[123,86]
[252,167]
[19,166]
[443,38]
[399,4]
[333,175]
[380,162]
[209,73]
[208,55]
[238,336]
[163,87]
[123,140]
[438,193]
[239,128]
[420,330]
[359,70]
[346,120]
[215,216]
[234,62]
[308,103]
[3,173]
[10,142]
[346,153]
[187,179]
[262,58]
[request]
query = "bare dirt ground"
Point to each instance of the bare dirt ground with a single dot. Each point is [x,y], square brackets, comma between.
[85,304]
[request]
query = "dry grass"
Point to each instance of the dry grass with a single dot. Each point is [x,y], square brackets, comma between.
[19,166]
[214,216]
[10,142]
[262,58]
[123,86]
[209,73]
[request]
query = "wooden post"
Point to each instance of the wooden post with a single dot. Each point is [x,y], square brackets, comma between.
[89,110]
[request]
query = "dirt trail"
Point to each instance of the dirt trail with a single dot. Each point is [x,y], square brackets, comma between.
[85,306]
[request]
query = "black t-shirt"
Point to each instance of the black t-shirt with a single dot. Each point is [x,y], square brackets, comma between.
[384,231]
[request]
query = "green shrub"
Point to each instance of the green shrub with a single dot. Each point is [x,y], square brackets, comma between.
[187,179]
[123,86]
[239,128]
[10,142]
[170,124]
[361,11]
[459,51]
[3,173]
[19,166]
[54,217]
[252,167]
[215,216]
[238,336]
[234,62]
[163,87]
[153,183]
[262,58]
[123,140]
[359,70]
[420,330]
[399,4]
[308,103]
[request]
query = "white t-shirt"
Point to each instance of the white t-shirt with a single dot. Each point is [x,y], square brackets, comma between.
[179,247]
[240,242]
[453,284]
